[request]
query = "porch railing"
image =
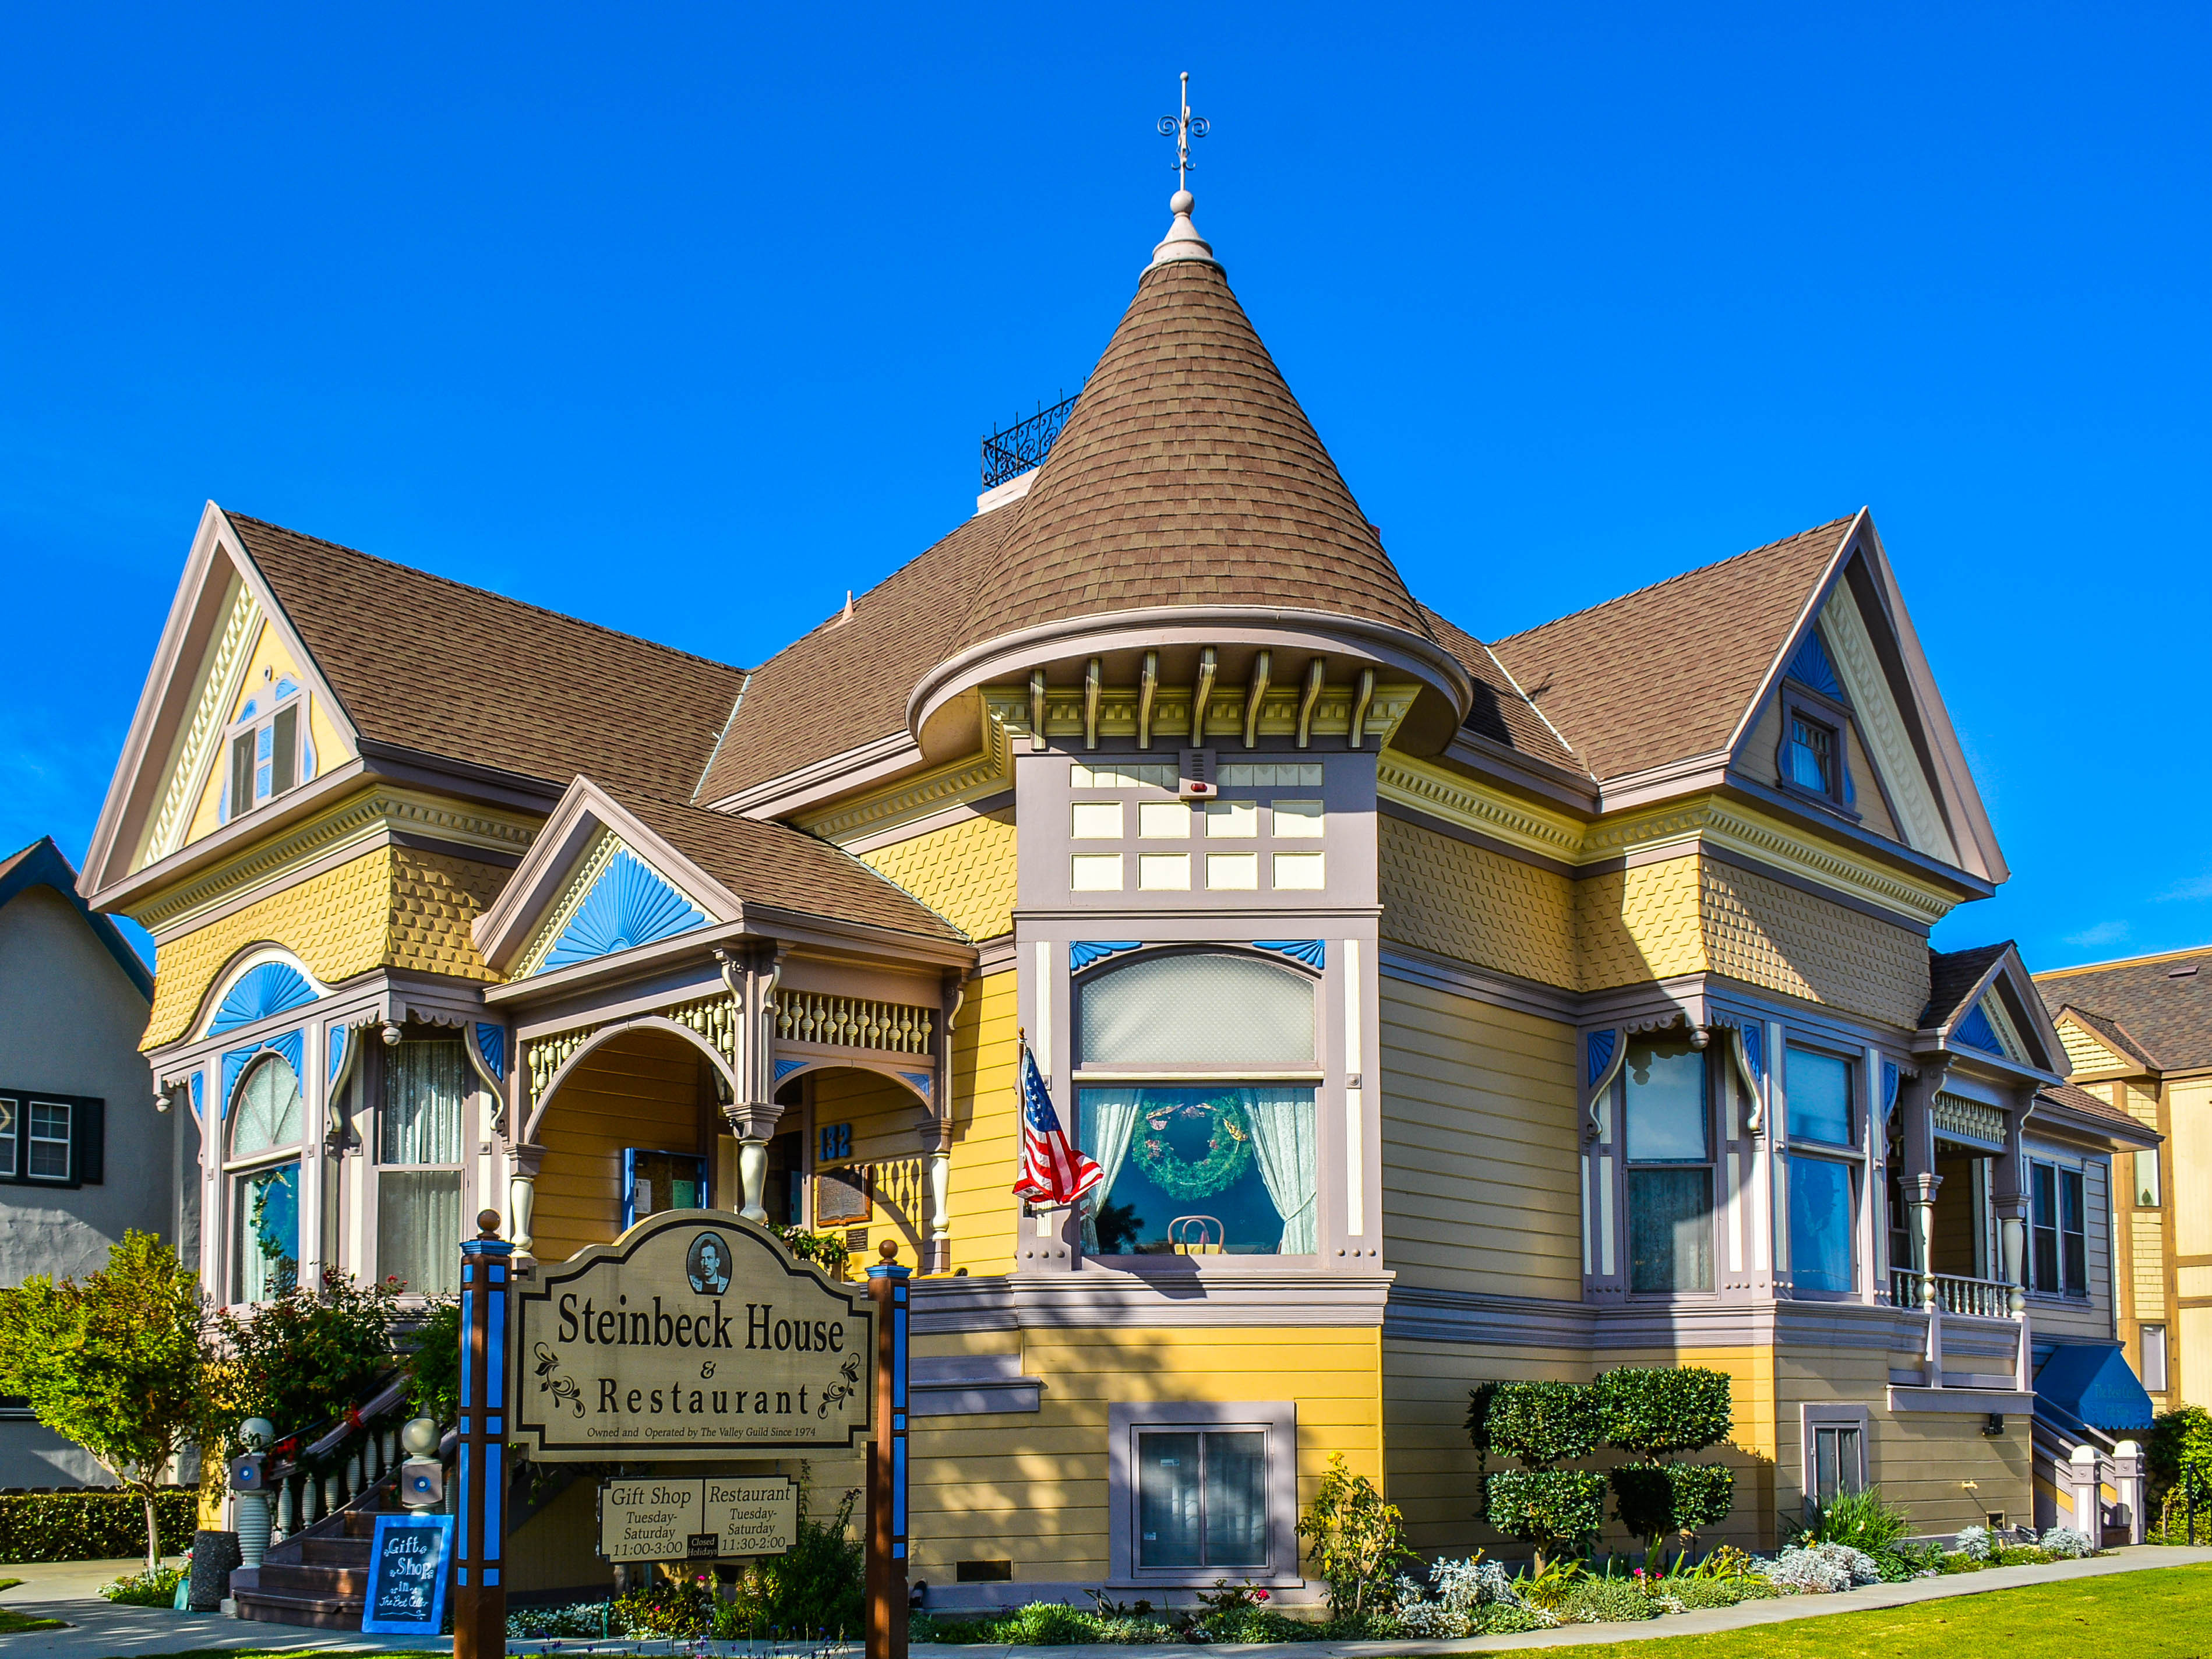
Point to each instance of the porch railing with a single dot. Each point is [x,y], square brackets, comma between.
[1981,1298]
[310,1479]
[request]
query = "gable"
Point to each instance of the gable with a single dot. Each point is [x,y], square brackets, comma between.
[2085,1052]
[1988,1027]
[613,901]
[1881,725]
[270,676]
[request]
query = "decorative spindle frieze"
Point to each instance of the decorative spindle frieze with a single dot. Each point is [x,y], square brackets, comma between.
[855,1022]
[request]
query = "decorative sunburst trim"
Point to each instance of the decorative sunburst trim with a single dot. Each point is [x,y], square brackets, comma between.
[616,901]
[268,988]
[181,798]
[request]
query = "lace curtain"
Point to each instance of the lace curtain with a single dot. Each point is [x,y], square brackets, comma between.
[1283,1139]
[1110,1116]
[424,1086]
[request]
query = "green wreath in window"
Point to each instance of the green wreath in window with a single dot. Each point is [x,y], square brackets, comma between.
[1227,1150]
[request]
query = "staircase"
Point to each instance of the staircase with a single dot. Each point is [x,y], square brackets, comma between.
[318,1577]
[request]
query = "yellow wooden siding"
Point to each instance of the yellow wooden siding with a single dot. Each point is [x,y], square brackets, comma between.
[986,1129]
[2085,1052]
[336,923]
[267,662]
[2141,1103]
[883,1113]
[2147,1260]
[2188,1170]
[637,1090]
[1635,925]
[1433,1471]
[2193,1369]
[965,872]
[1479,1147]
[394,906]
[1765,934]
[1452,899]
[1031,1487]
[1921,1460]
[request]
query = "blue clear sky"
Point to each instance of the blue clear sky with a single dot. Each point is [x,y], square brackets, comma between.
[687,320]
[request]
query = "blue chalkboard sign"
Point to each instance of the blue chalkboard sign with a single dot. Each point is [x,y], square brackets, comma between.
[409,1564]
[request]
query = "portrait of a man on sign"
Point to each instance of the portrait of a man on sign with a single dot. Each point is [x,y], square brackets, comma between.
[708,1265]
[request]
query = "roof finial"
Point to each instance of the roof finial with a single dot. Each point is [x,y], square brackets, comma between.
[1182,240]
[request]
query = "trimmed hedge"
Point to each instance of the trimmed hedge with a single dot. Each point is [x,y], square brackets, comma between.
[92,1523]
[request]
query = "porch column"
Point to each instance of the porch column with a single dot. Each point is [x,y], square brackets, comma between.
[754,1125]
[1917,1178]
[937,1223]
[523,1158]
[2009,1198]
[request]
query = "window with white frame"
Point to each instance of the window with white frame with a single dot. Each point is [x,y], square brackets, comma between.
[263,1172]
[1195,1166]
[2058,1253]
[51,1140]
[1199,1492]
[2147,1182]
[1667,1113]
[270,750]
[2152,1346]
[427,1084]
[1824,1171]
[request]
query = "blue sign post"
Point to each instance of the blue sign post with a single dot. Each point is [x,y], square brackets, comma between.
[409,1564]
[479,1598]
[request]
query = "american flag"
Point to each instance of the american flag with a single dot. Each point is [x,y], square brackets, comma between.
[1053,1171]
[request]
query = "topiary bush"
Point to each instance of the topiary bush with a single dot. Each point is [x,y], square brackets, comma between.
[1544,1423]
[1654,1499]
[1551,1509]
[1652,1411]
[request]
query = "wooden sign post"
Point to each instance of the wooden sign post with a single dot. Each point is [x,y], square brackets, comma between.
[887,1470]
[479,1597]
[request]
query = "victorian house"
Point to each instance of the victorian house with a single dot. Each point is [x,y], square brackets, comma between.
[1439,1010]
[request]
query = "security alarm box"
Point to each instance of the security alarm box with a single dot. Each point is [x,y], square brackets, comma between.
[1197,781]
[421,1483]
[246,1471]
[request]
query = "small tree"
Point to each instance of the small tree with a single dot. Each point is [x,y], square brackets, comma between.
[1541,1424]
[1654,1414]
[1358,1540]
[117,1364]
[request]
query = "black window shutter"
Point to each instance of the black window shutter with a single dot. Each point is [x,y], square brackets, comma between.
[89,1134]
[287,758]
[241,775]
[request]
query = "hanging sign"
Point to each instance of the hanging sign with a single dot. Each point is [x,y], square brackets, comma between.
[709,1520]
[695,1335]
[408,1560]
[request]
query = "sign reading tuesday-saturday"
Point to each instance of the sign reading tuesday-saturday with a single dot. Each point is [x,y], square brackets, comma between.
[711,1519]
[694,1334]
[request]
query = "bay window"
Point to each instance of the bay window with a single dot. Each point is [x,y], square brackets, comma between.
[267,1124]
[2057,1222]
[1670,1166]
[1823,1173]
[1195,1166]
[419,1179]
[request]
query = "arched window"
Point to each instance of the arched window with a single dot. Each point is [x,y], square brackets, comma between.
[1195,1166]
[266,1122]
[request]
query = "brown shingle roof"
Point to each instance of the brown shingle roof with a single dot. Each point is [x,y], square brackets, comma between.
[1500,712]
[2090,1105]
[430,664]
[772,864]
[1666,672]
[1952,976]
[2167,1015]
[2113,1035]
[1187,475]
[848,682]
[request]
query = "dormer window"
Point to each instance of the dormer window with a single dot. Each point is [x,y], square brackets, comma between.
[1812,754]
[270,751]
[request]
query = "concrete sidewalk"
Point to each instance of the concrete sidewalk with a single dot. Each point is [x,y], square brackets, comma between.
[101,1630]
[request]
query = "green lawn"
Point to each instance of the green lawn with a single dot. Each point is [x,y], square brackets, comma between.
[2163,1614]
[12,1621]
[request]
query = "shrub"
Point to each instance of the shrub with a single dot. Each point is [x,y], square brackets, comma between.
[1544,1423]
[682,1608]
[304,1358]
[1715,1592]
[1900,1562]
[1822,1569]
[1461,1590]
[1551,1509]
[1654,1413]
[1606,1601]
[1863,1520]
[827,1251]
[1048,1624]
[1973,1542]
[544,1624]
[2180,1447]
[1508,1618]
[93,1523]
[819,1583]
[434,1365]
[2064,1544]
[1654,1499]
[156,1587]
[1357,1539]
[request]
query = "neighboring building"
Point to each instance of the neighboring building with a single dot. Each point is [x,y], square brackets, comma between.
[2138,1035]
[83,1156]
[1442,1011]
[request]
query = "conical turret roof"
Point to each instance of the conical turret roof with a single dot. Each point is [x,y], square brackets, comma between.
[1187,475]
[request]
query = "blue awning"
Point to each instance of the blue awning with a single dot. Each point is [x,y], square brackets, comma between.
[2092,1383]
